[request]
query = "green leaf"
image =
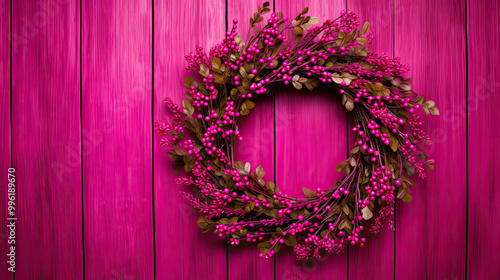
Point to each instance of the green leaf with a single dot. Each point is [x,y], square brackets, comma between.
[259,170]
[422,156]
[429,104]
[205,224]
[410,171]
[173,155]
[237,39]
[271,188]
[341,165]
[429,164]
[434,110]
[264,247]
[250,207]
[180,152]
[297,85]
[314,20]
[299,30]
[336,78]
[361,40]
[405,86]
[235,93]
[204,71]
[346,209]
[277,247]
[308,192]
[407,197]
[366,28]
[367,213]
[216,62]
[344,224]
[393,142]
[349,106]
[250,104]
[188,82]
[248,167]
[426,111]
[186,104]
[271,212]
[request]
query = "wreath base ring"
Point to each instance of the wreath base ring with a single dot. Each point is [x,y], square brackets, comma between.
[234,200]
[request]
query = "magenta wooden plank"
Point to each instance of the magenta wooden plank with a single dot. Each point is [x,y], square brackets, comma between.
[310,141]
[257,148]
[379,250]
[117,130]
[46,139]
[430,231]
[5,159]
[182,250]
[483,103]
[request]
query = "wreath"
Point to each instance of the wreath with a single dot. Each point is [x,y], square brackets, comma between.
[235,201]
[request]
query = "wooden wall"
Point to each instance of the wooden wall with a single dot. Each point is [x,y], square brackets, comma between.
[81,83]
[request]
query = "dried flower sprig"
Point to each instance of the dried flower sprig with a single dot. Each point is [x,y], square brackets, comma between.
[234,200]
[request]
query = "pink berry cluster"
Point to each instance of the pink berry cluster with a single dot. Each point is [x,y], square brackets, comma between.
[234,199]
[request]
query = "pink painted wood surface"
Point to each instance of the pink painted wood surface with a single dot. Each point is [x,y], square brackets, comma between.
[183,251]
[117,137]
[257,147]
[117,133]
[483,28]
[379,250]
[46,136]
[310,141]
[430,231]
[4,134]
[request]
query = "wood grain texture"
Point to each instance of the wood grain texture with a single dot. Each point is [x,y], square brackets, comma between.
[430,231]
[46,133]
[183,251]
[483,29]
[310,141]
[257,147]
[310,132]
[117,133]
[379,251]
[5,145]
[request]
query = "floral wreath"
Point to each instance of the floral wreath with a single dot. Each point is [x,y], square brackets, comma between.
[234,201]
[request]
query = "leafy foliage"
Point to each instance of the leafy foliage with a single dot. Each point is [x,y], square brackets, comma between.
[234,199]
